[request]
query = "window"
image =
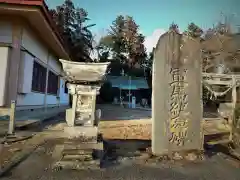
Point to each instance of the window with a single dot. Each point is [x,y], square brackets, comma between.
[52,83]
[38,77]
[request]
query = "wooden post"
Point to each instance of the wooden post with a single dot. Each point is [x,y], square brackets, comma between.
[11,126]
[234,101]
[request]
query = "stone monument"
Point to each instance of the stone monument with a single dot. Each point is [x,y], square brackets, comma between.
[177,102]
[84,84]
[80,150]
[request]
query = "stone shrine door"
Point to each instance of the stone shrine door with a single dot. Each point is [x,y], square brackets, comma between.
[176,96]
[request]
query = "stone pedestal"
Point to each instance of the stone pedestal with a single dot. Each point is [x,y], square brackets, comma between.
[89,133]
[83,105]
[81,117]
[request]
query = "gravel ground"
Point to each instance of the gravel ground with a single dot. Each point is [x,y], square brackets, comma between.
[38,166]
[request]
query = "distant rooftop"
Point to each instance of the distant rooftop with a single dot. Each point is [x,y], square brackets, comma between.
[124,82]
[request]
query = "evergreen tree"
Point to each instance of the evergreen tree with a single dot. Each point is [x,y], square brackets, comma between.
[71,24]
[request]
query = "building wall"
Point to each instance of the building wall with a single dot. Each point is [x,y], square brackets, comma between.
[34,50]
[5,40]
[25,96]
[4,53]
[5,32]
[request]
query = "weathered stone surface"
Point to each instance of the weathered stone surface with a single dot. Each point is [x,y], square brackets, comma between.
[76,165]
[80,71]
[177,106]
[78,157]
[77,151]
[177,156]
[69,117]
[57,153]
[83,108]
[81,131]
[84,146]
[191,157]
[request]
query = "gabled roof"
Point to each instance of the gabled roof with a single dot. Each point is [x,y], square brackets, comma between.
[37,10]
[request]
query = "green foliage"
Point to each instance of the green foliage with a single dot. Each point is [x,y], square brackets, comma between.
[174,27]
[71,24]
[106,42]
[194,31]
[124,41]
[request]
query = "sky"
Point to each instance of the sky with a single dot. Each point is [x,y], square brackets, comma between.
[155,16]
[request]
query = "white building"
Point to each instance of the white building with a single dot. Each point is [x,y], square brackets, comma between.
[30,47]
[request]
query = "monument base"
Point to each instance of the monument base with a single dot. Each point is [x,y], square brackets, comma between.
[69,117]
[82,131]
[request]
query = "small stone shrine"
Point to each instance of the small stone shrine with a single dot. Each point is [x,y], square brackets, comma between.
[84,84]
[82,120]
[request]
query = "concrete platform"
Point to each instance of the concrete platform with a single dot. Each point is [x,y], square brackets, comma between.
[28,118]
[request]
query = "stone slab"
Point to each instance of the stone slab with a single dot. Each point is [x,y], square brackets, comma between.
[84,146]
[78,157]
[69,118]
[57,153]
[81,131]
[176,97]
[75,165]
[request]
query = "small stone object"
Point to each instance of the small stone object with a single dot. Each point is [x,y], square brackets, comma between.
[177,156]
[56,168]
[14,149]
[191,157]
[149,150]
[144,156]
[165,158]
[202,157]
[57,152]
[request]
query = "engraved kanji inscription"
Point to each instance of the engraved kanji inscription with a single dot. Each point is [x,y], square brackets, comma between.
[178,104]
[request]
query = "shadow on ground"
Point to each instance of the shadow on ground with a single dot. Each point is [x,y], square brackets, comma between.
[111,112]
[120,163]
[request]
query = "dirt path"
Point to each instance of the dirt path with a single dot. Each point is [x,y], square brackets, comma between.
[11,152]
[129,163]
[38,166]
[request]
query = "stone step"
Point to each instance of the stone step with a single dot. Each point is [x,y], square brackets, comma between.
[57,152]
[80,157]
[224,141]
[76,165]
[83,146]
[77,151]
[82,133]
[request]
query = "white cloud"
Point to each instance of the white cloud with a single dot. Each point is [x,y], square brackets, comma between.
[98,35]
[151,41]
